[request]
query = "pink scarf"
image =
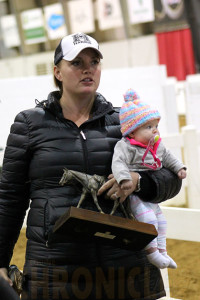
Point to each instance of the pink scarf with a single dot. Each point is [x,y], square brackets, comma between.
[152,147]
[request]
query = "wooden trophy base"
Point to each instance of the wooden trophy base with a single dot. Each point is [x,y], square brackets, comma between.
[87,225]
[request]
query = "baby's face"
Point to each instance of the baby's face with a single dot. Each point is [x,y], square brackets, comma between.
[144,133]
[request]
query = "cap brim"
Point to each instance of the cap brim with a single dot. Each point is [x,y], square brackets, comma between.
[72,54]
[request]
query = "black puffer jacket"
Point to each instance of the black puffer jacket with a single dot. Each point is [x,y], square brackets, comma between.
[40,145]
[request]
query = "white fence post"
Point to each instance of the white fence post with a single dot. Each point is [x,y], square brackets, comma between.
[191,155]
[174,142]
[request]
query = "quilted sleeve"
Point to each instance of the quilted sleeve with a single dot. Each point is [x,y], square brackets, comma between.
[14,187]
[158,186]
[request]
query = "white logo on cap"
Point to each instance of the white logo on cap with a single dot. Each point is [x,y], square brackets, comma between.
[80,38]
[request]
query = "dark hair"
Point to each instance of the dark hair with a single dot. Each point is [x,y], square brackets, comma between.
[58,54]
[58,83]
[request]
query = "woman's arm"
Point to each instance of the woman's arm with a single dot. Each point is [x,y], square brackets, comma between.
[155,186]
[14,188]
[158,186]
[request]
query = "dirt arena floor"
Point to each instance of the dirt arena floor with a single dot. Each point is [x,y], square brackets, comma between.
[184,281]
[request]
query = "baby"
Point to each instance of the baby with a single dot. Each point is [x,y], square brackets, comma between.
[141,149]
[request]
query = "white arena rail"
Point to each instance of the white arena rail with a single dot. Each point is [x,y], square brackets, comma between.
[189,143]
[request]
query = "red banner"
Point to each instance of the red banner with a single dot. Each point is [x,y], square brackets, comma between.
[176,52]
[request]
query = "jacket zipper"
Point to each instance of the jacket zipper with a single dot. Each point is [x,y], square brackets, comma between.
[45,224]
[83,140]
[83,135]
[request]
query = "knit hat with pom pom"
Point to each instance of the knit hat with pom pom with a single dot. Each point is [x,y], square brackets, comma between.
[135,113]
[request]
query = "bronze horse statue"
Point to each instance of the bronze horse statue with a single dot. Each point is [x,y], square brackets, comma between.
[90,184]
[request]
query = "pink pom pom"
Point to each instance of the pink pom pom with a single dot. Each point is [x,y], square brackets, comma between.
[131,95]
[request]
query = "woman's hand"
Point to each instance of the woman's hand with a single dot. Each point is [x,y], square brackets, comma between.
[114,190]
[4,274]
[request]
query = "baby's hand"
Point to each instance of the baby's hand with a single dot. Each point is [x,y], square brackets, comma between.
[126,184]
[182,173]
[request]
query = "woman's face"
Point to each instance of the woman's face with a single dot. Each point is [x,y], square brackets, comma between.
[81,75]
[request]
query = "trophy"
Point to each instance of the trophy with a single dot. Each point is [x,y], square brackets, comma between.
[88,225]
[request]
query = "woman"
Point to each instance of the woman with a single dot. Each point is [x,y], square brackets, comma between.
[78,129]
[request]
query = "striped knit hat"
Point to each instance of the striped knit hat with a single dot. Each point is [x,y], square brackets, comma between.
[135,113]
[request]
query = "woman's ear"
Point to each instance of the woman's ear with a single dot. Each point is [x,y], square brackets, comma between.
[57,73]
